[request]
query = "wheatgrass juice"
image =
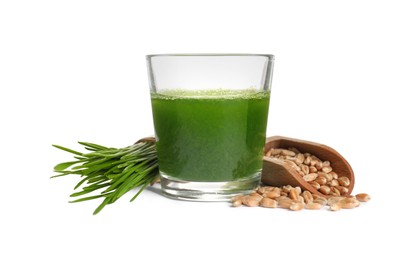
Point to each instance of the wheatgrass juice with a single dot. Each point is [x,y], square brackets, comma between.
[210,136]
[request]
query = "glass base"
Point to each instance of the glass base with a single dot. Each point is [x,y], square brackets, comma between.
[207,191]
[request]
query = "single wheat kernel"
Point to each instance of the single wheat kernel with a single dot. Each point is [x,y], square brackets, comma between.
[308,197]
[349,203]
[363,197]
[344,181]
[325,190]
[310,177]
[272,194]
[321,180]
[312,169]
[314,205]
[296,206]
[251,201]
[268,203]
[315,184]
[335,207]
[285,204]
[300,158]
[293,194]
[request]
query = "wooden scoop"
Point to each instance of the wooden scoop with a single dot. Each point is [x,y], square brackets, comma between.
[277,173]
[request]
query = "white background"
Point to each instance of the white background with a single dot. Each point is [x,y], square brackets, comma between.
[346,75]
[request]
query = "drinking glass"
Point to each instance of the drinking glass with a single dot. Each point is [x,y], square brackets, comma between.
[210,114]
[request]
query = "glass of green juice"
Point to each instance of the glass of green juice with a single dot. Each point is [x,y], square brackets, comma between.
[210,114]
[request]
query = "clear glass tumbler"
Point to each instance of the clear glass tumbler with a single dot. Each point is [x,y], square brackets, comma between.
[210,113]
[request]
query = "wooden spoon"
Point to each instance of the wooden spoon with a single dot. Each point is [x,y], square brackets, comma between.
[277,173]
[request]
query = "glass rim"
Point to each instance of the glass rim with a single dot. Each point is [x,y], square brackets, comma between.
[269,56]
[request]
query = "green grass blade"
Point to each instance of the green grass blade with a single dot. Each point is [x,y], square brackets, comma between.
[64,165]
[145,185]
[63,173]
[81,182]
[102,205]
[80,193]
[93,146]
[96,187]
[88,198]
[67,149]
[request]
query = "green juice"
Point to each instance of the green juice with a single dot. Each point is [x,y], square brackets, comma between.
[210,136]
